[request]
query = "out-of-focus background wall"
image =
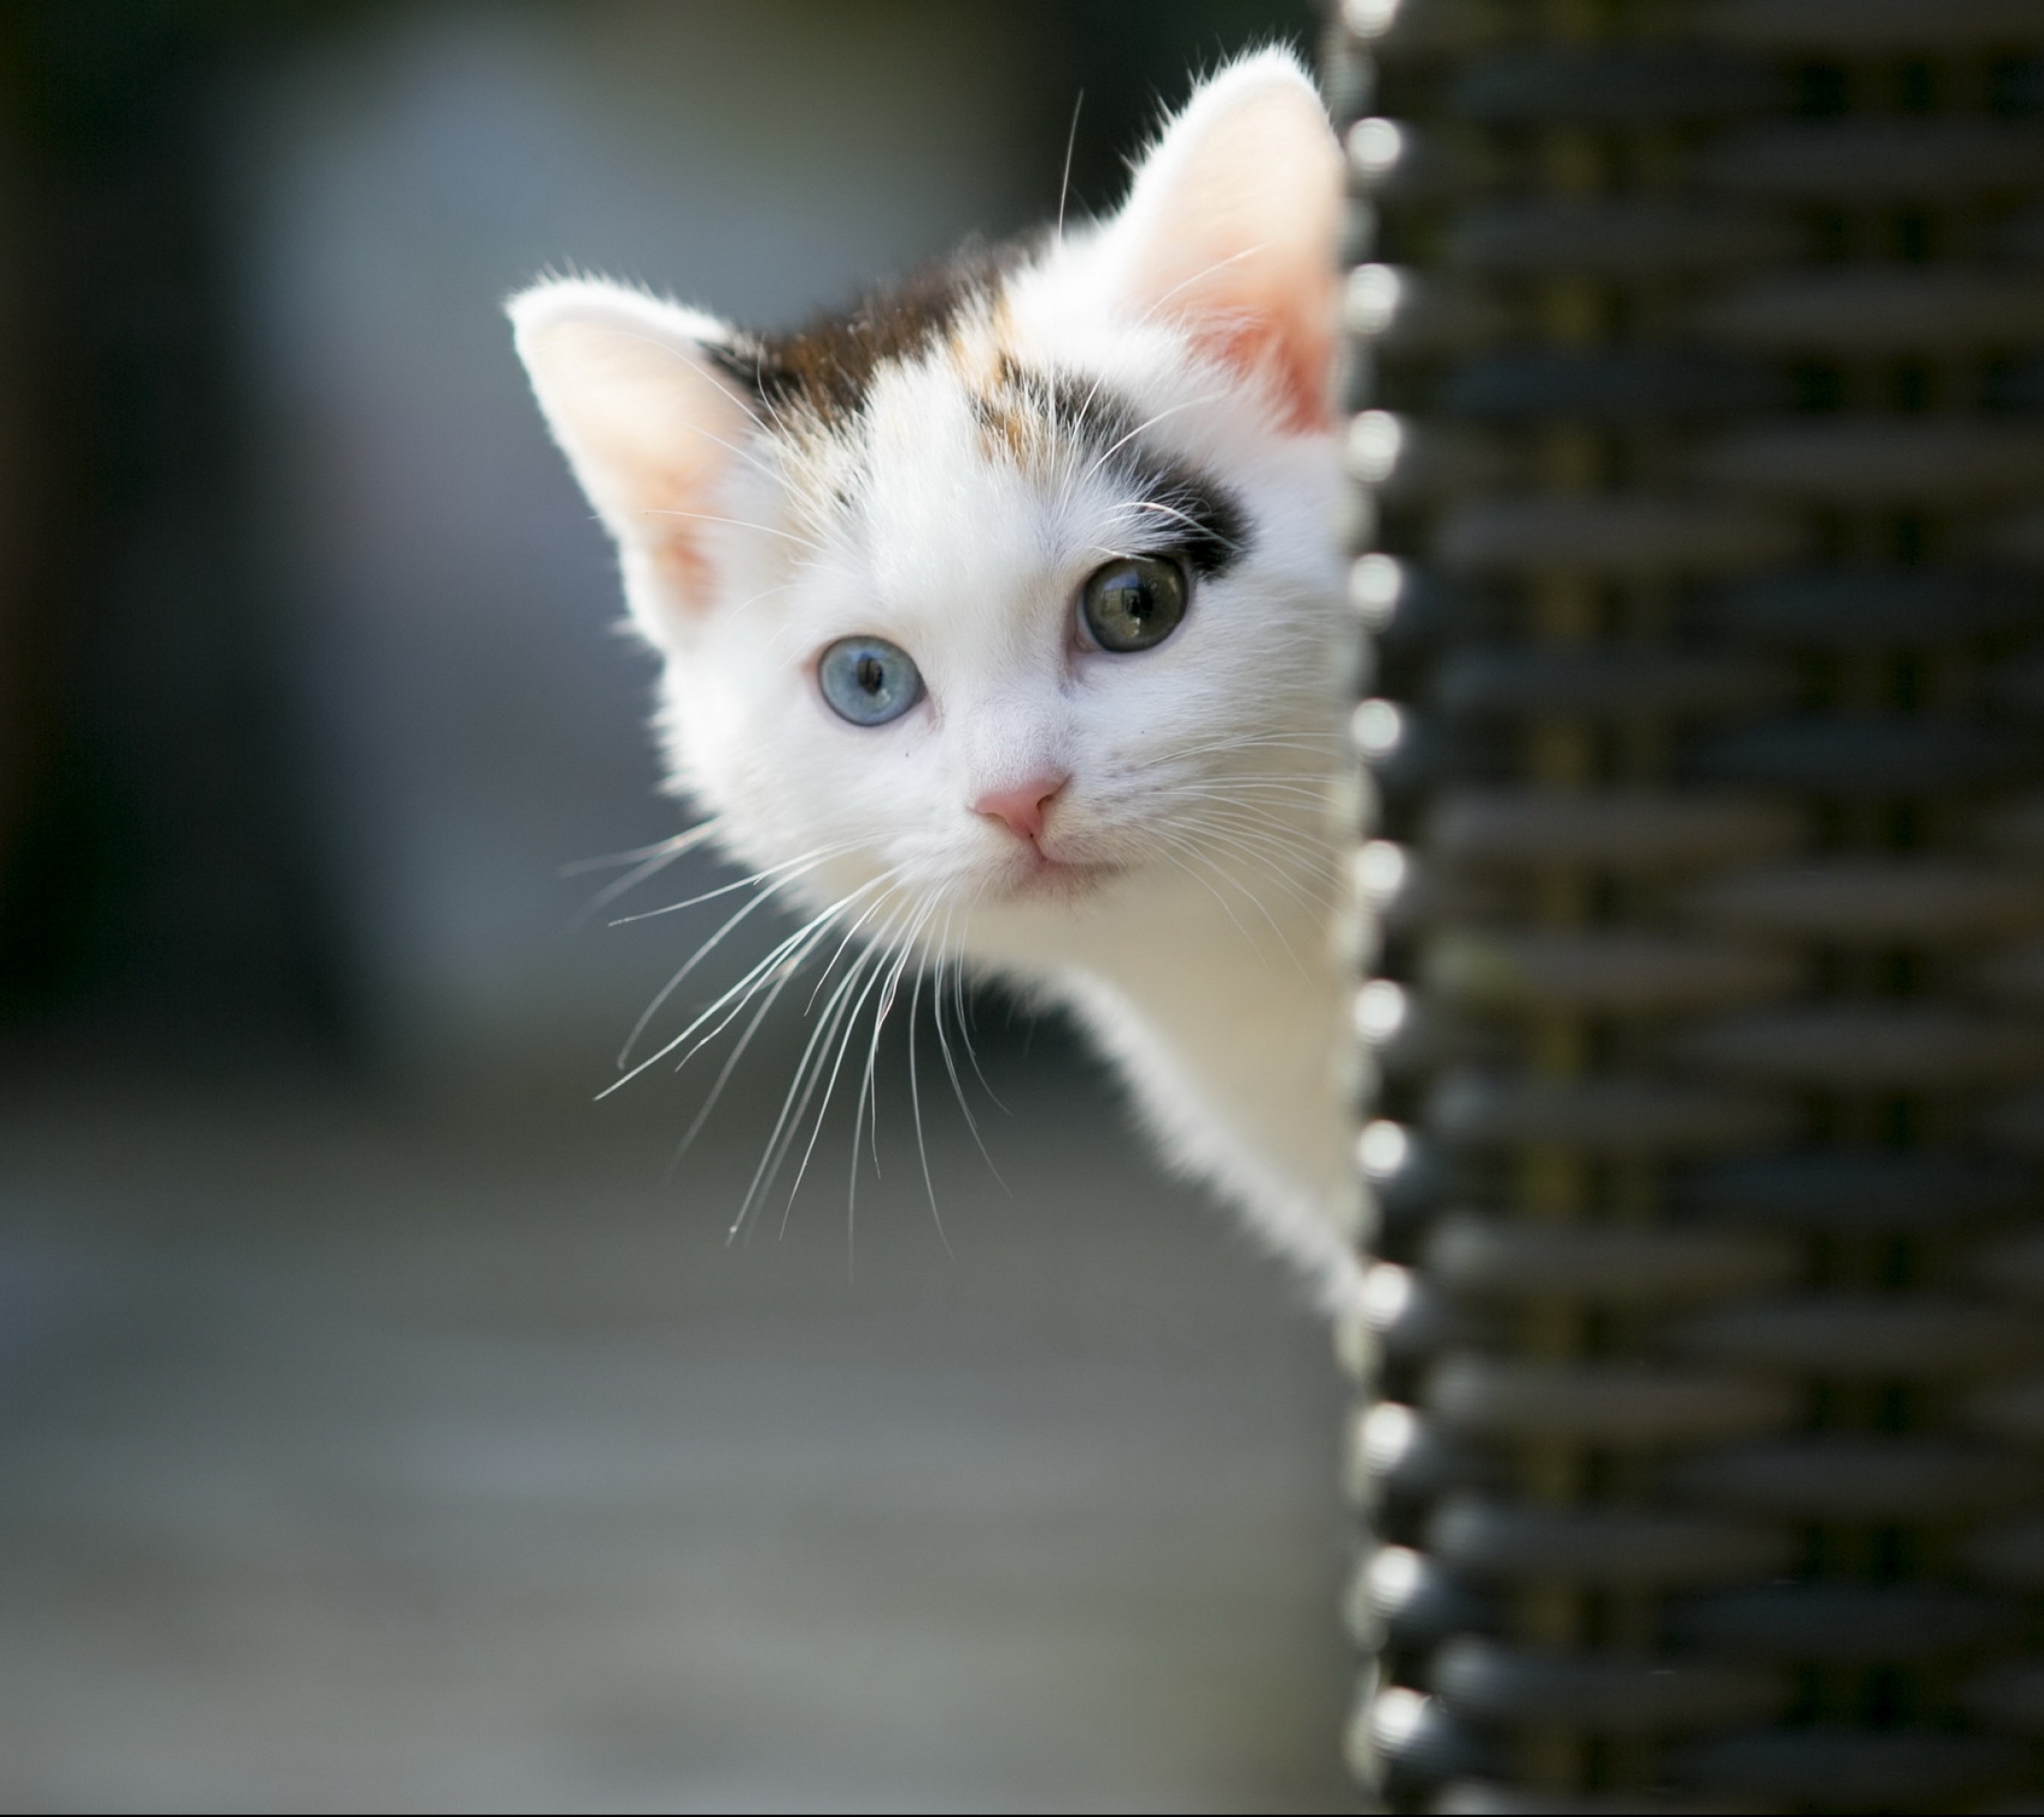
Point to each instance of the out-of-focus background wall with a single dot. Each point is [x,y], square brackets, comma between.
[382,1422]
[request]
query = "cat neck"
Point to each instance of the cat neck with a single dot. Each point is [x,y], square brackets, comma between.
[1224,1001]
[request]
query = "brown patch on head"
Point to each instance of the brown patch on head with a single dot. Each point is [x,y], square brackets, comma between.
[1032,414]
[827,369]
[1013,412]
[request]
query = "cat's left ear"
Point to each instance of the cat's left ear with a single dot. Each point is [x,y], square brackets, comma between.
[642,398]
[1230,230]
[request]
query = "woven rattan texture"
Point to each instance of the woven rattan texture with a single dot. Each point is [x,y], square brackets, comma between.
[1697,368]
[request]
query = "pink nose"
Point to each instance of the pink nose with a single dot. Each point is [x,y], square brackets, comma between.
[1021,808]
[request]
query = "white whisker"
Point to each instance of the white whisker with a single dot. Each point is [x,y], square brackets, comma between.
[794,1107]
[807,861]
[744,985]
[739,523]
[915,1100]
[671,847]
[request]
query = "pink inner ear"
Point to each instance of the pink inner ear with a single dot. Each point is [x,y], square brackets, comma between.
[661,481]
[673,493]
[651,427]
[1230,231]
[686,570]
[1289,351]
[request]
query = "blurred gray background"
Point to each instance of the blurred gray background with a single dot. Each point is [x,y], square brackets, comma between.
[384,1421]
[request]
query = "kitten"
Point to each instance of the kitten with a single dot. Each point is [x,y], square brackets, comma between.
[1000,619]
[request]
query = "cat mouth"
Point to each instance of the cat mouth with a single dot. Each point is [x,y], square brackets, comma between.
[1038,874]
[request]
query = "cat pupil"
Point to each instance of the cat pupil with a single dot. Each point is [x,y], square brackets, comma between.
[867,681]
[1134,604]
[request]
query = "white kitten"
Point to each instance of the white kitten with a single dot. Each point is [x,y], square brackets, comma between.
[1000,619]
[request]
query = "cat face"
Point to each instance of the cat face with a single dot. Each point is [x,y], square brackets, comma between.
[1011,591]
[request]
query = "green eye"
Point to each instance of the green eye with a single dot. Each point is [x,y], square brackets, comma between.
[868,680]
[1132,603]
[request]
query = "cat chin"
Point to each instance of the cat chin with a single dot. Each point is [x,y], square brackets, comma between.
[1044,879]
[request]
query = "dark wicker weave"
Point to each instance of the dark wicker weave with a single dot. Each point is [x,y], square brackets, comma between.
[1697,352]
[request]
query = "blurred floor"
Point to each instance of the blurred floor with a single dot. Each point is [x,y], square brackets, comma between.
[344,1464]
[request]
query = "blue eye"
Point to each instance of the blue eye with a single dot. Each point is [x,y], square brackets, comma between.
[867,681]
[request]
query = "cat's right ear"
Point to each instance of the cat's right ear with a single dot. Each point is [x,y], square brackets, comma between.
[649,415]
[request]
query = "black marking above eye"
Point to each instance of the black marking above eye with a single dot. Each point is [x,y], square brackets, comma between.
[1201,518]
[1171,496]
[1132,603]
[867,680]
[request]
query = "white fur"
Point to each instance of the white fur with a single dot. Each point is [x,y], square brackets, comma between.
[1199,769]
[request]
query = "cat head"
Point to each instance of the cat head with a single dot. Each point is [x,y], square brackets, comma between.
[1012,588]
